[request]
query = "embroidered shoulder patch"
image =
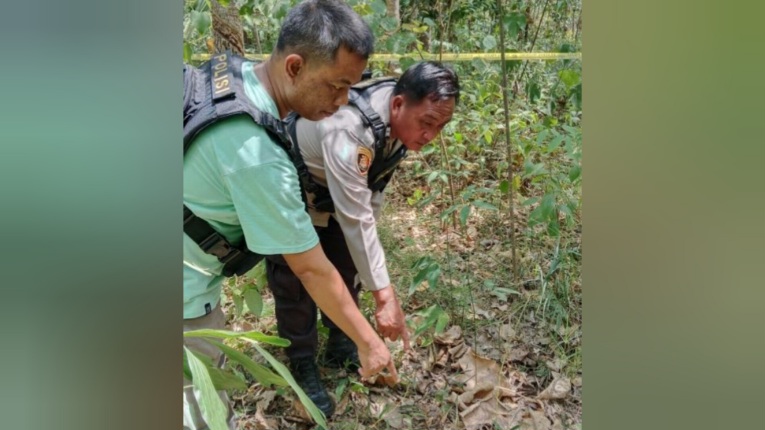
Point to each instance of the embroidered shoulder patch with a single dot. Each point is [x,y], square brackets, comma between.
[363,160]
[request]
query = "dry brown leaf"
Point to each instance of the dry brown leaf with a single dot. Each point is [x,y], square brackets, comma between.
[507,332]
[262,423]
[297,412]
[558,389]
[458,351]
[242,326]
[382,380]
[489,412]
[479,393]
[555,365]
[264,400]
[394,419]
[518,354]
[538,420]
[479,313]
[449,337]
[477,368]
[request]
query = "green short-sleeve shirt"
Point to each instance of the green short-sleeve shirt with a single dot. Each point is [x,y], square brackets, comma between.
[245,186]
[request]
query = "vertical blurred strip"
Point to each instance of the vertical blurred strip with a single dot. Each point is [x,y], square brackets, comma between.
[674,196]
[90,184]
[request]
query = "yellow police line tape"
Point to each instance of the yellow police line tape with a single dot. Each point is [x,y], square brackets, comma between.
[447,56]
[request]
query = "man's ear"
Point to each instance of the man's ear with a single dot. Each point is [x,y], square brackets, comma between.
[396,104]
[293,66]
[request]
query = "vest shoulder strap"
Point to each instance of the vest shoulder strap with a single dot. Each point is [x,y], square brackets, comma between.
[212,92]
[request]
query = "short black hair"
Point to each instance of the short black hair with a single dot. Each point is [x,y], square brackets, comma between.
[316,29]
[430,79]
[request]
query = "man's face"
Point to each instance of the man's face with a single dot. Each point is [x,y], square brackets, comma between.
[319,89]
[415,124]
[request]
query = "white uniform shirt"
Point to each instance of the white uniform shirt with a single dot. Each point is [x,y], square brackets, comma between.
[336,151]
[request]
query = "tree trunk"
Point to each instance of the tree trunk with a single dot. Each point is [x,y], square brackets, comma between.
[394,10]
[227,27]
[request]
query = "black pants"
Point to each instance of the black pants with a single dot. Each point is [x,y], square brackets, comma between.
[295,309]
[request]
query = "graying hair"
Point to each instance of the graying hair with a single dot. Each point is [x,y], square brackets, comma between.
[316,29]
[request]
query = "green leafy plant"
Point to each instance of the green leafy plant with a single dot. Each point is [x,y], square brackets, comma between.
[204,376]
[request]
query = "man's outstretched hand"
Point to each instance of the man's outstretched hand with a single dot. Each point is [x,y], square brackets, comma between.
[391,321]
[375,360]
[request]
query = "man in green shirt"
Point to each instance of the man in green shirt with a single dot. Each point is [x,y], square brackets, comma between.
[245,186]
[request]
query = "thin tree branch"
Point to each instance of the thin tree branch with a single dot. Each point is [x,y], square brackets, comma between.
[507,138]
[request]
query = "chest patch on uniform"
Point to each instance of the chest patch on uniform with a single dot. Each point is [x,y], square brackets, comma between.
[363,160]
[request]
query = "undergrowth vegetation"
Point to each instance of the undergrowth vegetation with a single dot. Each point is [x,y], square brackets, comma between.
[482,229]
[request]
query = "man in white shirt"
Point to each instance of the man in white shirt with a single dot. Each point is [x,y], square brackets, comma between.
[340,154]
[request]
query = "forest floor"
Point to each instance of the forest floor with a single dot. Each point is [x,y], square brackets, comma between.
[508,352]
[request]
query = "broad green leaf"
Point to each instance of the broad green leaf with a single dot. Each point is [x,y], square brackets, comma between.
[213,409]
[433,175]
[340,389]
[315,413]
[246,12]
[514,23]
[502,293]
[258,273]
[421,263]
[250,335]
[530,201]
[358,387]
[417,280]
[431,316]
[479,64]
[532,170]
[443,319]
[553,228]
[504,186]
[542,136]
[223,3]
[566,210]
[379,7]
[488,136]
[489,43]
[223,380]
[433,275]
[201,21]
[566,47]
[569,77]
[575,172]
[548,205]
[464,214]
[533,91]
[450,210]
[362,9]
[389,24]
[258,371]
[543,214]
[555,143]
[483,205]
[254,301]
[238,303]
[429,22]
[187,53]
[406,62]
[511,65]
